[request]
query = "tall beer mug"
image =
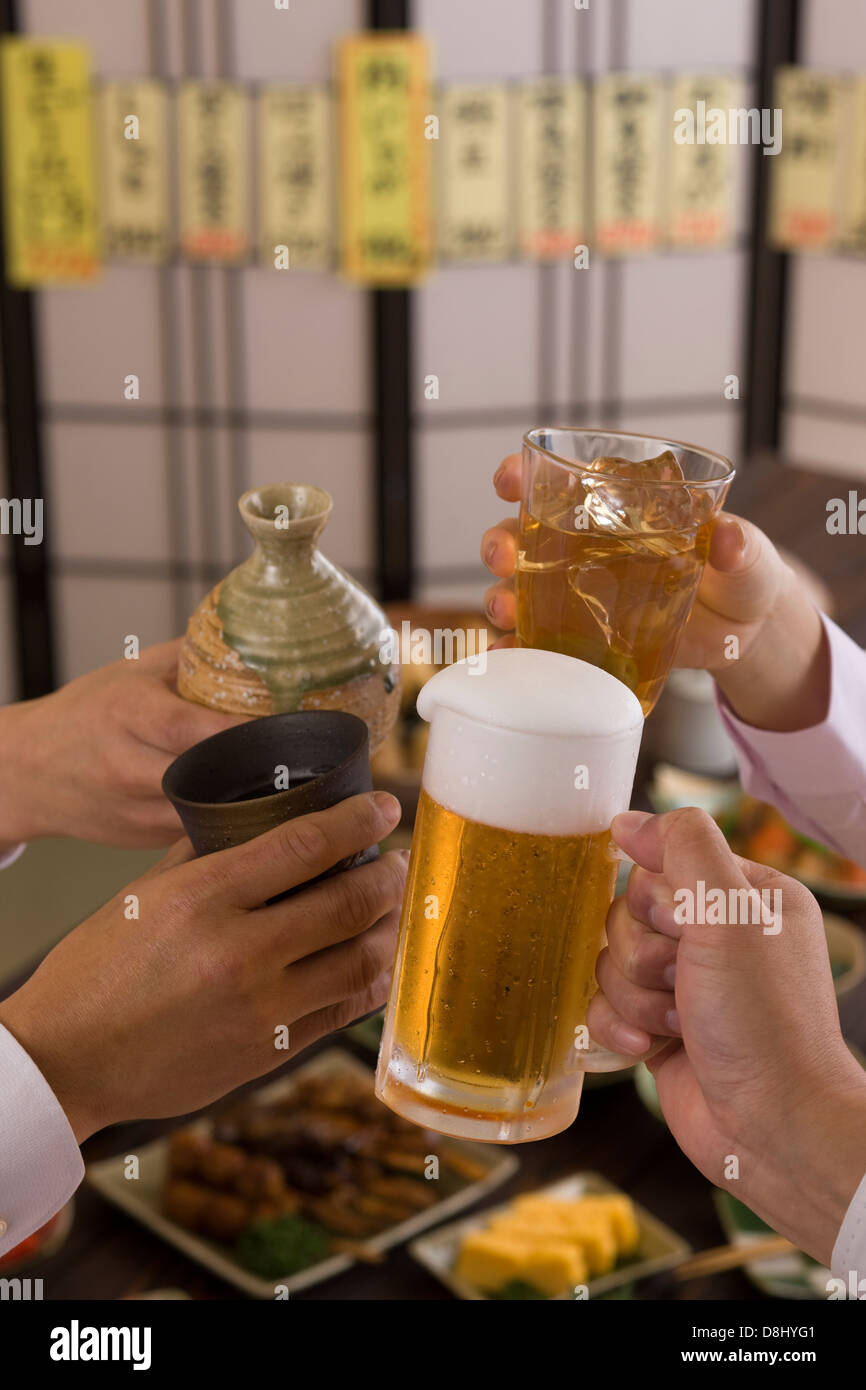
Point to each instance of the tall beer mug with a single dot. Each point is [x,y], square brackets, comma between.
[531,754]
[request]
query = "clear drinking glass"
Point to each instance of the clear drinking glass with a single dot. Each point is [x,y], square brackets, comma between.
[614,535]
[530,756]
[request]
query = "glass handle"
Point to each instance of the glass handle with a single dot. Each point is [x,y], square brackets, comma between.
[596,1058]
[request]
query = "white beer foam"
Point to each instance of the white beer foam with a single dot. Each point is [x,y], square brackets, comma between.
[537,742]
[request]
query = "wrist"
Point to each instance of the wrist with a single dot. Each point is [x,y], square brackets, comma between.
[20,816]
[56,1063]
[781,682]
[801,1177]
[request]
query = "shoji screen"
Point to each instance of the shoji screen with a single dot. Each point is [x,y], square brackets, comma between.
[644,343]
[824,385]
[247,375]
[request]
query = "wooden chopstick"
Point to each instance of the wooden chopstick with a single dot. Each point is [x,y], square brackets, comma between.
[723,1257]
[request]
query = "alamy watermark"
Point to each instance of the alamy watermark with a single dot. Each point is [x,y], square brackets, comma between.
[416,646]
[740,125]
[729,907]
[22,517]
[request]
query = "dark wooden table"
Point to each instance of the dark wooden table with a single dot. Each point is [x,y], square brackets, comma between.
[108,1255]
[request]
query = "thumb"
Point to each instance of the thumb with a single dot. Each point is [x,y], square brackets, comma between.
[689,849]
[744,571]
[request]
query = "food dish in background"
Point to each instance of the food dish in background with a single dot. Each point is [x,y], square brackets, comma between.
[40,1244]
[655,1249]
[790,1275]
[317,1175]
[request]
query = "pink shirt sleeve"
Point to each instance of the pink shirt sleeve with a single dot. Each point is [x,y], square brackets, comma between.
[816,777]
[40,1161]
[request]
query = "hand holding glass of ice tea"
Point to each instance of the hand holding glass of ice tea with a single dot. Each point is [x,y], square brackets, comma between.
[611,542]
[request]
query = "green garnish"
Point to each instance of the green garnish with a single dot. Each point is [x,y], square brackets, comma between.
[283,1246]
[518,1289]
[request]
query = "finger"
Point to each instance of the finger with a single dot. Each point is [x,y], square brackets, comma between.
[653,1010]
[298,850]
[317,1025]
[609,1030]
[499,548]
[743,572]
[500,605]
[651,901]
[684,845]
[644,956]
[347,970]
[335,910]
[171,724]
[160,659]
[507,478]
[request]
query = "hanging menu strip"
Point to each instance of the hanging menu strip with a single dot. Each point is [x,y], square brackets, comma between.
[48,163]
[385,158]
[552,131]
[628,141]
[806,174]
[213,163]
[700,199]
[475,210]
[854,183]
[295,177]
[133,130]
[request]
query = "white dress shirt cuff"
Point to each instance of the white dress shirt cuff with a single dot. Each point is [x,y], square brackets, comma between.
[849,1252]
[40,1162]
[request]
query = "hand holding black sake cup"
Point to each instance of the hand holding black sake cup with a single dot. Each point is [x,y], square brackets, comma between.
[236,785]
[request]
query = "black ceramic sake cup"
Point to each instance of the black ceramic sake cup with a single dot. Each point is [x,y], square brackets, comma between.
[238,784]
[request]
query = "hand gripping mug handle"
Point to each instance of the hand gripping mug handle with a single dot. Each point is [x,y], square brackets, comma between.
[595,1058]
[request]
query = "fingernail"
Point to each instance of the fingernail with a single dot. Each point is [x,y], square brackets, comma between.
[670,974]
[404,855]
[498,474]
[739,532]
[629,821]
[492,608]
[388,807]
[490,554]
[662,917]
[630,1039]
[672,1022]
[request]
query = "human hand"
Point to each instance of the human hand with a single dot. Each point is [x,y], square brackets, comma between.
[160,1014]
[752,625]
[760,1073]
[87,760]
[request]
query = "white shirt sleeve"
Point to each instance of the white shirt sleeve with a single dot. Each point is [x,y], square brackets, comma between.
[849,1252]
[40,1161]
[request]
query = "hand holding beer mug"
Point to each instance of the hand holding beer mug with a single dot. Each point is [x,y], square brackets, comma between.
[614,534]
[530,756]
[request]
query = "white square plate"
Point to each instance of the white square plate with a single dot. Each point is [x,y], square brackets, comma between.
[142,1199]
[659,1248]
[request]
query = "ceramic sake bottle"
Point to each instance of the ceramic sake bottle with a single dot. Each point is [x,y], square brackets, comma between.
[287,629]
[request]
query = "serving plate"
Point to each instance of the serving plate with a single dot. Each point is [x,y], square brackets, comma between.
[659,1248]
[142,1198]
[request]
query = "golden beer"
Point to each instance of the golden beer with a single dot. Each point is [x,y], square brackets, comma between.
[610,555]
[499,939]
[510,879]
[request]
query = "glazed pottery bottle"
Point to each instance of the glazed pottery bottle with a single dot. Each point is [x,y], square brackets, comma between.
[288,629]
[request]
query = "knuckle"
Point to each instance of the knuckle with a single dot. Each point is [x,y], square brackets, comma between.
[690,822]
[365,963]
[306,841]
[354,899]
[355,1006]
